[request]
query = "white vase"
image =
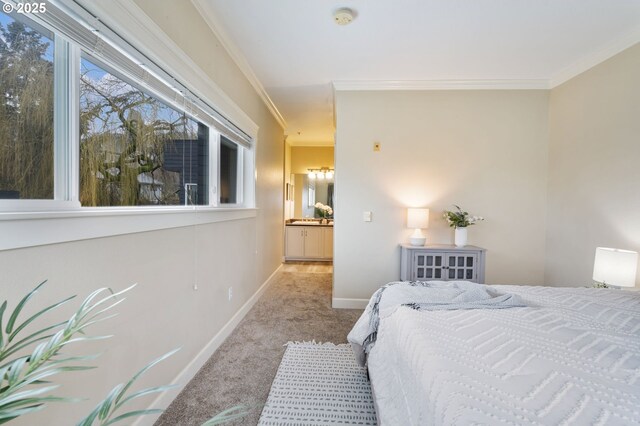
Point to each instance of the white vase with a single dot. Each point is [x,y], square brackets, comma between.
[461,237]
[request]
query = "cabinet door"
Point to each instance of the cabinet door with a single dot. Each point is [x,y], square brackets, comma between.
[462,266]
[328,243]
[313,246]
[427,266]
[294,241]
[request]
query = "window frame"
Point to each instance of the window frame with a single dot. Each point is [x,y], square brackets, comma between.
[25,213]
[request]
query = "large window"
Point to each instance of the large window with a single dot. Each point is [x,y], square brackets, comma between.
[26,111]
[228,171]
[134,150]
[84,125]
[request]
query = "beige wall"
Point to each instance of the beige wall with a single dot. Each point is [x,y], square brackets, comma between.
[594,173]
[484,150]
[164,312]
[311,157]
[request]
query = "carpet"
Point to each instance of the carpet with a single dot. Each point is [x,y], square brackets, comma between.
[319,384]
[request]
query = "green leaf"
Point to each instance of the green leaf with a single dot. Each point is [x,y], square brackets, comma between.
[134,414]
[142,371]
[18,309]
[28,394]
[236,412]
[35,401]
[2,309]
[35,316]
[6,417]
[144,392]
[108,402]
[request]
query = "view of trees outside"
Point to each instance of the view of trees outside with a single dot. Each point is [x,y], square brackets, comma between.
[134,150]
[26,111]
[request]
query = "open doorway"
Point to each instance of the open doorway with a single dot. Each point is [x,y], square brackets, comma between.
[309,188]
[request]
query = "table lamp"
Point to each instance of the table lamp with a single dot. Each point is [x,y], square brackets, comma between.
[615,267]
[417,219]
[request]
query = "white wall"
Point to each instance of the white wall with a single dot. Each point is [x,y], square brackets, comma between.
[484,150]
[594,173]
[164,312]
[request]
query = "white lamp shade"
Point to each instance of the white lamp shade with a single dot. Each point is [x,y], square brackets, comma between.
[615,267]
[418,218]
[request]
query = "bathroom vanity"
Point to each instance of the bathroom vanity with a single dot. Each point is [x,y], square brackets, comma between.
[308,240]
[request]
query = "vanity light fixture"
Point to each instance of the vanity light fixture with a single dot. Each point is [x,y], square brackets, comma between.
[321,173]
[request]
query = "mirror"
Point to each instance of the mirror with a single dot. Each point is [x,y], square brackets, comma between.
[308,192]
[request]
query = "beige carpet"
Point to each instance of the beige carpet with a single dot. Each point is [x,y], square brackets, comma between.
[296,307]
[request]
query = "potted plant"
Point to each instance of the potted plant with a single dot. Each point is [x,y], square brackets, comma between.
[460,220]
[30,359]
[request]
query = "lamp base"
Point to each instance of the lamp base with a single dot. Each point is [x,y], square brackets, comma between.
[417,241]
[417,238]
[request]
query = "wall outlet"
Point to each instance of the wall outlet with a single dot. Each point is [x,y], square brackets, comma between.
[230,293]
[195,287]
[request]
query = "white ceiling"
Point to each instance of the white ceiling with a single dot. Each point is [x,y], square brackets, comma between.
[296,50]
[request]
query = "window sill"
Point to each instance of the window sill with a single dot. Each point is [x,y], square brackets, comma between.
[28,229]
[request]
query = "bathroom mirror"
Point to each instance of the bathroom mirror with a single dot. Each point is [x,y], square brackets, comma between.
[308,192]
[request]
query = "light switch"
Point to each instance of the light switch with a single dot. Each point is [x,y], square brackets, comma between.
[366,216]
[376,146]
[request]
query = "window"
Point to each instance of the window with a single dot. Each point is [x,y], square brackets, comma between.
[228,171]
[87,123]
[135,150]
[26,111]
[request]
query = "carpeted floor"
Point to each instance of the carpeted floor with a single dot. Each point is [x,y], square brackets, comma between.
[296,307]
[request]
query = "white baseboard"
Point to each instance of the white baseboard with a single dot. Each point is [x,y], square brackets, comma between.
[182,379]
[339,303]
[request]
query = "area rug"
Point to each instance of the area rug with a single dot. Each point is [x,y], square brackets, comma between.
[319,384]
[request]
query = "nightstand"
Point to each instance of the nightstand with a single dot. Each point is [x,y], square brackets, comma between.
[442,262]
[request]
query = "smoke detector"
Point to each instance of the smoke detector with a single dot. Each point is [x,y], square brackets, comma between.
[343,16]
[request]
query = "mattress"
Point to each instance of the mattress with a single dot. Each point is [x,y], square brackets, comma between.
[570,357]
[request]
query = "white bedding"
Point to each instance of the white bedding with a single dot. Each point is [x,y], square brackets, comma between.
[572,356]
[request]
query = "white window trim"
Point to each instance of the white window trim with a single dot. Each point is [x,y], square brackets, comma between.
[21,230]
[26,223]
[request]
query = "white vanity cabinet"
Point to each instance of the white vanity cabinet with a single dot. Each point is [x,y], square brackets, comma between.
[442,262]
[313,242]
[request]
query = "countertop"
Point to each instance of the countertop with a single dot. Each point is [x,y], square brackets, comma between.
[290,222]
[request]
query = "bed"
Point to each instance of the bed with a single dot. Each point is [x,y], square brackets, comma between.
[548,356]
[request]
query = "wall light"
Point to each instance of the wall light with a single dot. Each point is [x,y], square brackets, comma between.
[614,267]
[417,219]
[321,173]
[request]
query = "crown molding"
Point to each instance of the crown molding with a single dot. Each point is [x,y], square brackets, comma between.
[236,55]
[442,85]
[129,21]
[589,61]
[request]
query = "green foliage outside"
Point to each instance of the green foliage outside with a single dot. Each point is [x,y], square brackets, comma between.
[125,134]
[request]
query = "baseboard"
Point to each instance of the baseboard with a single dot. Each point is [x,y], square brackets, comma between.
[339,303]
[164,399]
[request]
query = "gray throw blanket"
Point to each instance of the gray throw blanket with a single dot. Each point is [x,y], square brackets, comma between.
[423,296]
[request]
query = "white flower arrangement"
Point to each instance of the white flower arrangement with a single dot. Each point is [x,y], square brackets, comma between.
[324,210]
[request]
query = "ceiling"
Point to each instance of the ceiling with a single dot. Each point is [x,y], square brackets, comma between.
[294,50]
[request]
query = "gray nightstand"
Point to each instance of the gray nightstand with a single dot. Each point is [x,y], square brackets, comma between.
[442,262]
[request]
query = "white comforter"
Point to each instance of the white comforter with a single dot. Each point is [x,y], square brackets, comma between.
[572,356]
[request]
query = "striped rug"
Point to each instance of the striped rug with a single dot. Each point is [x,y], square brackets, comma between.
[319,384]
